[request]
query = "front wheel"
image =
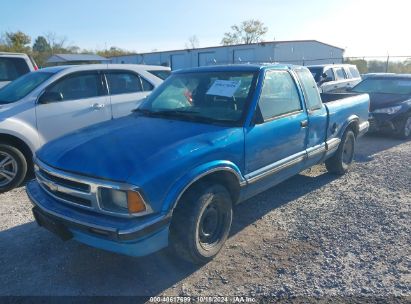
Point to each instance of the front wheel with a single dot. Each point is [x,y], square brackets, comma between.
[13,167]
[343,158]
[201,223]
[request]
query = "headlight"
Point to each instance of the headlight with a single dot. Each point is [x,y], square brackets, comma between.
[123,201]
[390,110]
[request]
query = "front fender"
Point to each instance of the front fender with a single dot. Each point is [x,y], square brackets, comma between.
[194,175]
[22,131]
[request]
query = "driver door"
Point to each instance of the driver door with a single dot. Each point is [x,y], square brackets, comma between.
[83,101]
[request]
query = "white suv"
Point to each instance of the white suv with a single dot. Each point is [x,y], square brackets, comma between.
[335,77]
[14,65]
[51,102]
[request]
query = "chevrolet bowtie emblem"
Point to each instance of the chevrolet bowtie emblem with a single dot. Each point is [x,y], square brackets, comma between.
[53,187]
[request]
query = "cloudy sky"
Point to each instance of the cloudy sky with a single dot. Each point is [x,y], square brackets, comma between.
[362,27]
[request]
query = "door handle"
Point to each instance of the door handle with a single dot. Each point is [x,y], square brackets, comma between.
[97,106]
[304,123]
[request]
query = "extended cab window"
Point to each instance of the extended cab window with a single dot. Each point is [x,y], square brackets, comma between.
[279,95]
[78,86]
[340,74]
[312,96]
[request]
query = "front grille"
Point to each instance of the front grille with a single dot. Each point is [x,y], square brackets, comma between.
[65,182]
[79,191]
[65,189]
[68,197]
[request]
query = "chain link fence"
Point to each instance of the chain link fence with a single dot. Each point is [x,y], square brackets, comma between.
[381,64]
[365,64]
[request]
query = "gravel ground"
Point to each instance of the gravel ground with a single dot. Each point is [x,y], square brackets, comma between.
[314,236]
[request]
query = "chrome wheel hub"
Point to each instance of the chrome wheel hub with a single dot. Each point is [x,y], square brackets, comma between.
[8,168]
[348,151]
[407,127]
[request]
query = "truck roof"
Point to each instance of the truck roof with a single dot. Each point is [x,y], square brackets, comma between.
[329,65]
[237,67]
[88,67]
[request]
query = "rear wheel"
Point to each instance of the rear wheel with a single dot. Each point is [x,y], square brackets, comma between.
[342,160]
[404,128]
[201,223]
[13,167]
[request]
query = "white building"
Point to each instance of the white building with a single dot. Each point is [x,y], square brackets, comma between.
[301,52]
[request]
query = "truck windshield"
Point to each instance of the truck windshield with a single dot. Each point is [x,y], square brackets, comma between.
[384,85]
[209,97]
[22,86]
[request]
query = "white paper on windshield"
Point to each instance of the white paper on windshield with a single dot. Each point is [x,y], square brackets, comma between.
[225,88]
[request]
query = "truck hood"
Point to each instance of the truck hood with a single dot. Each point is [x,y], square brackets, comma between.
[382,100]
[116,149]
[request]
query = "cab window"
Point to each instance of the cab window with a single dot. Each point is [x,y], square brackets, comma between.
[311,94]
[279,95]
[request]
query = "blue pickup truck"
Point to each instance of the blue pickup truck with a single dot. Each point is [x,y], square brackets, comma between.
[203,141]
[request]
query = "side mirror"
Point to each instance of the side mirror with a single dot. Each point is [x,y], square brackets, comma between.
[48,97]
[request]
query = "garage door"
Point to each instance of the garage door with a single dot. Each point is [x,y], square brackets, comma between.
[177,61]
[206,58]
[246,55]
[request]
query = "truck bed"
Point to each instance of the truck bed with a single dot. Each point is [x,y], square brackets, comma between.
[341,108]
[327,97]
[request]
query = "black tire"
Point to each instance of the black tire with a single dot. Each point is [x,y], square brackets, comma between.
[342,160]
[13,170]
[404,128]
[201,223]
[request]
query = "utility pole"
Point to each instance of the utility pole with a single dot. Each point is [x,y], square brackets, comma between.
[386,65]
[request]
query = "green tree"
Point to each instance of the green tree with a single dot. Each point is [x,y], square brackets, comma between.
[247,32]
[360,63]
[16,42]
[113,51]
[41,45]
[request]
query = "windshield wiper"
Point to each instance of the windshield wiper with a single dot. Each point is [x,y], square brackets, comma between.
[185,114]
[143,111]
[164,112]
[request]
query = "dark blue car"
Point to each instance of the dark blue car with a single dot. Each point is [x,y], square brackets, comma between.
[390,103]
[203,141]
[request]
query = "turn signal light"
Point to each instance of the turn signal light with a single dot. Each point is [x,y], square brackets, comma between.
[135,202]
